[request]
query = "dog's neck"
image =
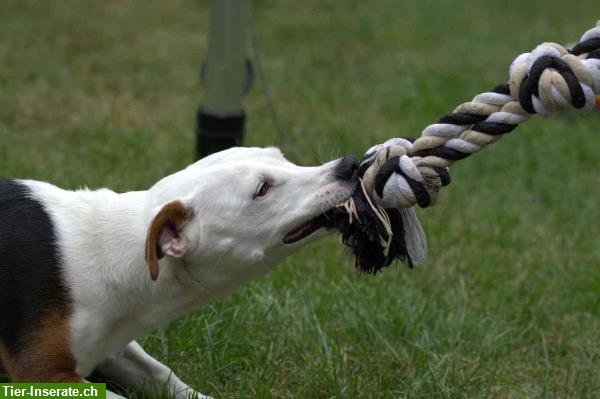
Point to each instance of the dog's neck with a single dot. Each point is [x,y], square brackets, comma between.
[116,301]
[120,223]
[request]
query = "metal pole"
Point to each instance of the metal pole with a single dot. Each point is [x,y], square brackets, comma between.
[220,119]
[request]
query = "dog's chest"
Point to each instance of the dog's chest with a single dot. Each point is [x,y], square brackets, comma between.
[98,335]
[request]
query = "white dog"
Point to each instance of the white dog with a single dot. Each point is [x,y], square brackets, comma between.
[84,273]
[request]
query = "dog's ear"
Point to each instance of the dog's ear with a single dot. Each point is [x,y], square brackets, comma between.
[164,236]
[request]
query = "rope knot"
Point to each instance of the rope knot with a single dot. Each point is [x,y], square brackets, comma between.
[551,78]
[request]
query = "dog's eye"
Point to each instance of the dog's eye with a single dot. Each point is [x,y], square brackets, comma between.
[262,190]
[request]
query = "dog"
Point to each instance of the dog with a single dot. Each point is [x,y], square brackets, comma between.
[84,273]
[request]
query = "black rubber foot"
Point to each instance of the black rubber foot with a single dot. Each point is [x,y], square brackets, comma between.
[215,133]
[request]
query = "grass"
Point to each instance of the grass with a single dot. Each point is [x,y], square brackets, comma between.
[508,306]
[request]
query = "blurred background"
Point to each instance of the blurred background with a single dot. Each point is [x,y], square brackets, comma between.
[104,94]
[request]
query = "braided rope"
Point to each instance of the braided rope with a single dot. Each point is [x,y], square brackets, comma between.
[403,172]
[378,223]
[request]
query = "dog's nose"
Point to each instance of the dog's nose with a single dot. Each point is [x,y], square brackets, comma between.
[346,168]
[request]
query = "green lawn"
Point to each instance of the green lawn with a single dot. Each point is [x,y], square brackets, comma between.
[508,306]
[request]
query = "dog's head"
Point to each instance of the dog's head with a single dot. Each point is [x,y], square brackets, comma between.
[237,213]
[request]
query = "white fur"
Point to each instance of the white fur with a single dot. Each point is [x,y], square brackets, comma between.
[231,239]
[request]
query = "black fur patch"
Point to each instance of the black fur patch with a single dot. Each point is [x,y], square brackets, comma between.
[30,281]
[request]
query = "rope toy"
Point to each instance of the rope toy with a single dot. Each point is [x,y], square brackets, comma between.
[378,223]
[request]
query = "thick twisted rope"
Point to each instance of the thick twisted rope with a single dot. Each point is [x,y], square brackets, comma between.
[403,172]
[545,81]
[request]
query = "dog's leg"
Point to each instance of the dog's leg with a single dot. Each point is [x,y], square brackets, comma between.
[133,367]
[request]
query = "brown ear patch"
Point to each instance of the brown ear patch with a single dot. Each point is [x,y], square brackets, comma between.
[173,216]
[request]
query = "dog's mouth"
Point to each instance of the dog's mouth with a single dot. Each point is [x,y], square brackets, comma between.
[327,219]
[306,229]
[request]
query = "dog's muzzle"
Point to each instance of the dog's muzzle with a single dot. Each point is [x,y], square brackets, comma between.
[346,170]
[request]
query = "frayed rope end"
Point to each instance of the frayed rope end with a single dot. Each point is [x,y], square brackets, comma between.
[375,236]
